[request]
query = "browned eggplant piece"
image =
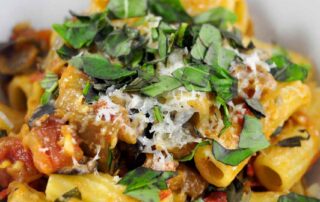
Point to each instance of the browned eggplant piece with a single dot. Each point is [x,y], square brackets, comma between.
[19,55]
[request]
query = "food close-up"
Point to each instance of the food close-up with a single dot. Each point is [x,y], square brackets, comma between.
[156,101]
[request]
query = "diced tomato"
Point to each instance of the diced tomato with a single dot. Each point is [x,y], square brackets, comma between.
[250,170]
[12,150]
[218,196]
[3,194]
[51,151]
[164,194]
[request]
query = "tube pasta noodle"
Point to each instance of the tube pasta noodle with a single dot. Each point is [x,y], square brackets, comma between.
[274,165]
[23,193]
[213,171]
[92,187]
[281,103]
[265,196]
[129,96]
[24,94]
[10,119]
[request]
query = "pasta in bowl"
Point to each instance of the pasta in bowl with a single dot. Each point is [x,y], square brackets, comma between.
[145,100]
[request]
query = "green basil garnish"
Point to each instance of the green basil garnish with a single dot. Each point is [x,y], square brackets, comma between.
[252,140]
[100,67]
[293,197]
[158,116]
[286,71]
[73,193]
[127,8]
[49,84]
[190,156]
[165,84]
[256,108]
[218,16]
[169,10]
[79,33]
[66,52]
[294,141]
[145,184]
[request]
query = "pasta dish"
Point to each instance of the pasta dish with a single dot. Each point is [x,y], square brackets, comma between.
[155,100]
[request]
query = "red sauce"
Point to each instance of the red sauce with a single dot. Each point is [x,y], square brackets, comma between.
[50,136]
[11,149]
[218,196]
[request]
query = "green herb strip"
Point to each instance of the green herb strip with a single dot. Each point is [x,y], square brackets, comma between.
[145,184]
[165,84]
[99,67]
[256,108]
[49,84]
[79,33]
[293,197]
[220,17]
[286,71]
[158,116]
[294,141]
[252,140]
[190,156]
[73,193]
[127,8]
[169,10]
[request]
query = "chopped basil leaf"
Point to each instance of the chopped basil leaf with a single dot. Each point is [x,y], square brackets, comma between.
[86,88]
[165,84]
[217,16]
[181,34]
[145,194]
[230,157]
[190,156]
[219,56]
[73,193]
[117,44]
[277,131]
[162,45]
[195,75]
[226,115]
[223,84]
[80,33]
[158,116]
[127,8]
[109,159]
[3,133]
[66,52]
[154,34]
[293,197]
[235,40]
[294,141]
[40,111]
[198,50]
[209,34]
[99,67]
[251,135]
[49,84]
[169,10]
[252,140]
[145,184]
[256,108]
[235,191]
[90,93]
[286,71]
